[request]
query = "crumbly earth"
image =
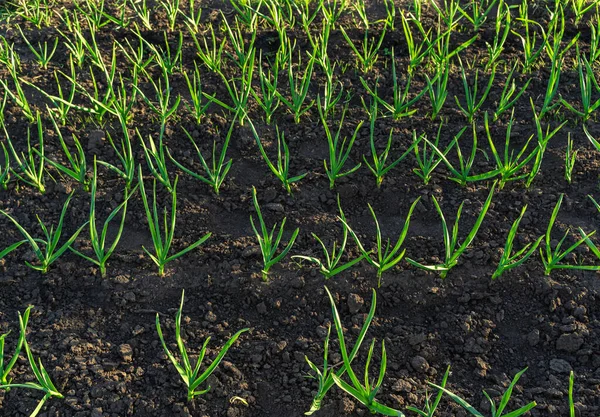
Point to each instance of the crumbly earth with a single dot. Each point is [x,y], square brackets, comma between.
[97,338]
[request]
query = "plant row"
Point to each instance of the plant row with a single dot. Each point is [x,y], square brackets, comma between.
[380,253]
[285,81]
[345,375]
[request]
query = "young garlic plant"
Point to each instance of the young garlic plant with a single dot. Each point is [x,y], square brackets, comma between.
[329,266]
[452,249]
[43,381]
[269,242]
[379,167]
[191,375]
[387,256]
[50,241]
[163,239]
[281,170]
[215,172]
[364,393]
[496,410]
[98,239]
[339,150]
[552,257]
[26,168]
[324,376]
[508,260]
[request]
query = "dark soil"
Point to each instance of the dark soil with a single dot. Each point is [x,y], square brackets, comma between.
[83,326]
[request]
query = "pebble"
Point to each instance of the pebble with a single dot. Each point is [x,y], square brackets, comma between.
[276,207]
[211,317]
[298,283]
[401,385]
[416,339]
[560,365]
[251,251]
[261,308]
[97,412]
[355,303]
[322,332]
[126,352]
[570,342]
[419,364]
[533,338]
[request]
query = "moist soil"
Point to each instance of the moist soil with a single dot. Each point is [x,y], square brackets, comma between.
[97,337]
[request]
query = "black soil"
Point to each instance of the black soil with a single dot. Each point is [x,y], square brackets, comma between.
[97,338]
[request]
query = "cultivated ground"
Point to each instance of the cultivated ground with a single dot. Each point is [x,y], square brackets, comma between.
[96,335]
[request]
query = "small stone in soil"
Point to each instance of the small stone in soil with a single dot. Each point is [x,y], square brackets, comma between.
[419,364]
[126,352]
[355,303]
[560,365]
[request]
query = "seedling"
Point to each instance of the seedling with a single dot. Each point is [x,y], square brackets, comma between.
[217,171]
[62,104]
[531,50]
[281,171]
[98,239]
[198,107]
[298,88]
[77,168]
[570,158]
[461,174]
[156,159]
[368,54]
[5,168]
[587,85]
[416,51]
[379,168]
[496,411]
[18,96]
[268,100]
[6,367]
[238,93]
[167,59]
[44,383]
[338,152]
[479,12]
[508,261]
[387,256]
[552,257]
[329,267]
[428,156]
[191,376]
[453,250]
[50,241]
[472,102]
[430,408]
[325,376]
[27,169]
[507,97]
[126,157]
[43,53]
[400,105]
[509,165]
[142,11]
[164,109]
[364,393]
[163,239]
[438,89]
[236,36]
[171,9]
[211,55]
[495,49]
[543,139]
[268,242]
